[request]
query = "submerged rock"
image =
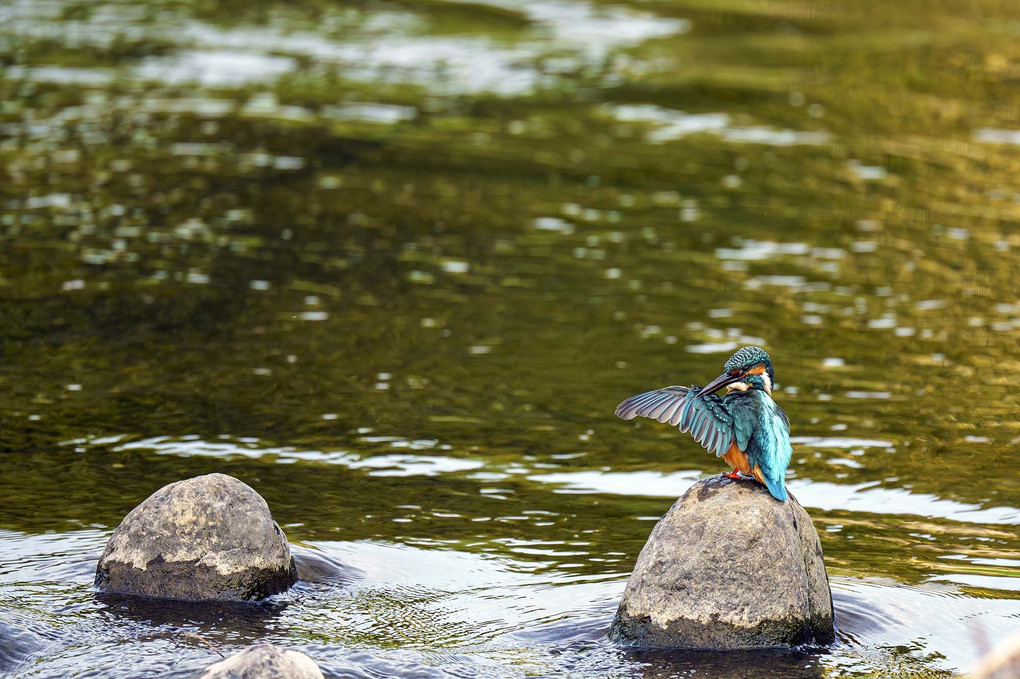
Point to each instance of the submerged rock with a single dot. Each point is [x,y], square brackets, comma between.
[728,566]
[207,538]
[264,661]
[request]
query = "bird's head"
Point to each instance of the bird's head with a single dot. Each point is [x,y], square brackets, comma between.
[749,368]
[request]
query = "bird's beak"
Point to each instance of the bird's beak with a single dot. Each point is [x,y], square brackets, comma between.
[718,383]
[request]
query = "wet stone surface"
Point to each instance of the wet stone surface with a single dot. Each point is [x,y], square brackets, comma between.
[207,538]
[728,566]
[263,661]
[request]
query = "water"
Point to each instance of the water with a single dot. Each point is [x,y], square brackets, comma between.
[395,264]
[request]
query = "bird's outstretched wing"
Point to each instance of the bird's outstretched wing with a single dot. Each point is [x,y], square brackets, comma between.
[706,418]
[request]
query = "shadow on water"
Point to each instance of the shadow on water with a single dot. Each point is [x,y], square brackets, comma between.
[318,568]
[737,664]
[237,621]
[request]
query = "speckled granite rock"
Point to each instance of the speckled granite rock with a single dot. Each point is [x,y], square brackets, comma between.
[207,538]
[264,661]
[728,566]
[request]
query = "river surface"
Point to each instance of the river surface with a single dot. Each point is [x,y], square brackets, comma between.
[394,264]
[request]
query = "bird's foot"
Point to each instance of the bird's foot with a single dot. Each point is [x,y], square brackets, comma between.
[735,474]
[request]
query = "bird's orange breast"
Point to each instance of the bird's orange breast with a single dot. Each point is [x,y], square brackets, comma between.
[738,459]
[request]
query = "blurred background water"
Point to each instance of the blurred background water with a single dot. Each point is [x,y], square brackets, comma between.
[394,264]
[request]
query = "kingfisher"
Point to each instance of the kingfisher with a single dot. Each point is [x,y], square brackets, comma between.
[744,426]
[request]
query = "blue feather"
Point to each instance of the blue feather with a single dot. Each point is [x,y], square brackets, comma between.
[770,447]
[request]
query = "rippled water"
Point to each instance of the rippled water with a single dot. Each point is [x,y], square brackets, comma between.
[394,265]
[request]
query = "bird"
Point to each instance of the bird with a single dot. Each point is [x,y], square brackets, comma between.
[744,426]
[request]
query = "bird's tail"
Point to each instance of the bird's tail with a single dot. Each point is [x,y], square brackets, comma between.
[776,487]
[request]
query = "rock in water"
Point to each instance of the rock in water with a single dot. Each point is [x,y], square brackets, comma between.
[264,661]
[207,538]
[728,566]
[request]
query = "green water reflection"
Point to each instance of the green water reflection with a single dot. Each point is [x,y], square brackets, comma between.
[394,264]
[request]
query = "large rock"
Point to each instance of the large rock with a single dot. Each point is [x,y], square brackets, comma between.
[264,661]
[728,566]
[207,538]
